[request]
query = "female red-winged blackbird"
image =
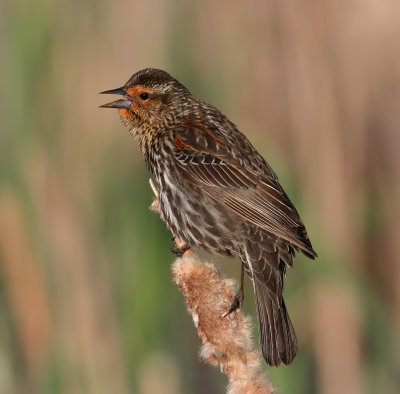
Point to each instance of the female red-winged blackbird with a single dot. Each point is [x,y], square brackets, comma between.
[217,192]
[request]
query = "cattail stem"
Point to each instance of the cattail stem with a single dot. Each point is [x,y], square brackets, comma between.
[227,341]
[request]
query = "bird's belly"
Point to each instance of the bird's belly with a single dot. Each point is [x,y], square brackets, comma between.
[197,219]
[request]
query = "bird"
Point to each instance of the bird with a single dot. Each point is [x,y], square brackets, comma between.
[217,193]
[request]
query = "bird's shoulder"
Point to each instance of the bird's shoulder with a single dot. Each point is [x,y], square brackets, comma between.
[206,130]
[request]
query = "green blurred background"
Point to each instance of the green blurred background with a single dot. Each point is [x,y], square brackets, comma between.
[86,299]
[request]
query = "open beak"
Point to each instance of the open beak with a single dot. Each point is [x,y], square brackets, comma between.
[121,103]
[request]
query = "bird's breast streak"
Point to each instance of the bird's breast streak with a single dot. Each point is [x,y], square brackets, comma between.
[194,216]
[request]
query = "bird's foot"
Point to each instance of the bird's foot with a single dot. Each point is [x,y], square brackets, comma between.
[239,297]
[179,251]
[236,303]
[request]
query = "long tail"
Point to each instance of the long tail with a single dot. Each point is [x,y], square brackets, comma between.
[277,336]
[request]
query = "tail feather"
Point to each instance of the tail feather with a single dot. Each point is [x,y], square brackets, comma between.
[277,336]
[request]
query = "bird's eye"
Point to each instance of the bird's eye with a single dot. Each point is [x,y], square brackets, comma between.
[144,96]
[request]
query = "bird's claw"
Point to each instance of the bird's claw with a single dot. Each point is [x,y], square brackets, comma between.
[236,303]
[179,251]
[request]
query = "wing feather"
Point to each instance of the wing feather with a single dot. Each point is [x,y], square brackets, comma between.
[252,191]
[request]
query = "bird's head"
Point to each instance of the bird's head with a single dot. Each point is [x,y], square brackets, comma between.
[151,97]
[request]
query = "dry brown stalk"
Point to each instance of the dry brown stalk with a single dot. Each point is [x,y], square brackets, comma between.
[227,341]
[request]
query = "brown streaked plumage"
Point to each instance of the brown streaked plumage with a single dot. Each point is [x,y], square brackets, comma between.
[217,192]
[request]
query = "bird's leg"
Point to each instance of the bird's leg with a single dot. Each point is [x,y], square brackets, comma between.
[239,297]
[180,247]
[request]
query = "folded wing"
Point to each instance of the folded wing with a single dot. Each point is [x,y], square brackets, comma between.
[245,185]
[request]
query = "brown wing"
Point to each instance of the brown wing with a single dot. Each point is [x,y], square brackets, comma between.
[241,182]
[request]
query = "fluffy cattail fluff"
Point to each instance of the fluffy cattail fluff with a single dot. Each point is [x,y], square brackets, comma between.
[227,341]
